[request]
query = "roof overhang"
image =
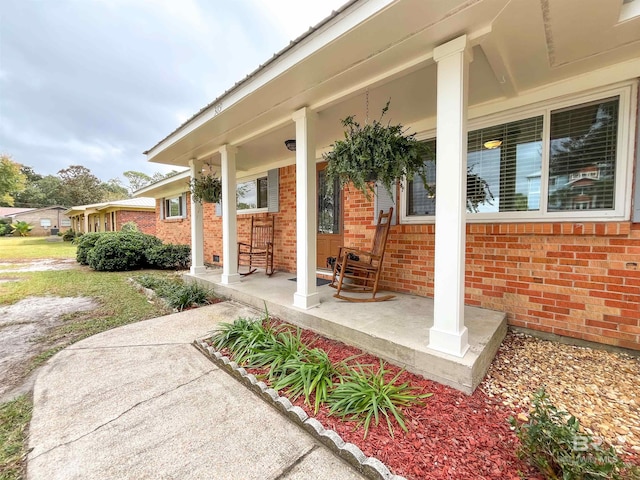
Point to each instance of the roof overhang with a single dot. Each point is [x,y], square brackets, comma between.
[175,184]
[385,48]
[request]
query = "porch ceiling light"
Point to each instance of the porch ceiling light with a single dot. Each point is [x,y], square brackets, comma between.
[290,144]
[491,144]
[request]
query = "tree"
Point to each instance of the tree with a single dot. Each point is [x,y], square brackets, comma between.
[79,186]
[137,180]
[42,192]
[113,190]
[12,181]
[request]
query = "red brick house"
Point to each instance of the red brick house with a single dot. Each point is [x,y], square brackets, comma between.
[110,216]
[540,99]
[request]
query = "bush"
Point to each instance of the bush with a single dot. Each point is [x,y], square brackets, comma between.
[121,251]
[176,293]
[189,295]
[69,235]
[169,257]
[85,244]
[5,227]
[552,441]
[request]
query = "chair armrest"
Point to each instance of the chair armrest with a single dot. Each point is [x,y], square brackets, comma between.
[356,251]
[243,244]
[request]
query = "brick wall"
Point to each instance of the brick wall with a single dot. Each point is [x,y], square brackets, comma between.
[285,226]
[54,216]
[580,280]
[174,230]
[179,230]
[145,220]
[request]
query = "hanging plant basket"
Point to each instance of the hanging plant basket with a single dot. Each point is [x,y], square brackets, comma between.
[207,189]
[384,153]
[375,152]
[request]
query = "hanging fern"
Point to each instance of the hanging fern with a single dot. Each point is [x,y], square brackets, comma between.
[207,189]
[375,152]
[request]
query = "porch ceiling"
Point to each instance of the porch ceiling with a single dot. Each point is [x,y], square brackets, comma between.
[519,45]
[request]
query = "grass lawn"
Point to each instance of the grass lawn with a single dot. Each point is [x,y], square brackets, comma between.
[22,248]
[119,304]
[14,418]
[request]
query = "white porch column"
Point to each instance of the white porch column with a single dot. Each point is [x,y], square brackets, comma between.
[229,216]
[449,334]
[197,225]
[86,223]
[306,295]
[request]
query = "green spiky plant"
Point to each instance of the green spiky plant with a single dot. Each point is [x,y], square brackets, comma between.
[310,373]
[286,346]
[364,395]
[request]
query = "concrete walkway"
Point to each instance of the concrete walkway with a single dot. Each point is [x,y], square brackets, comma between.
[140,402]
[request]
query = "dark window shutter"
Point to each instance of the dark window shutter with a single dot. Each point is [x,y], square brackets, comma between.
[384,201]
[273,190]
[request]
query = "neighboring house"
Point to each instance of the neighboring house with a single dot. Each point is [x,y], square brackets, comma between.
[540,99]
[8,211]
[110,216]
[45,221]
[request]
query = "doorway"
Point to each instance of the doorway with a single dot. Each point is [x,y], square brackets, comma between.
[330,234]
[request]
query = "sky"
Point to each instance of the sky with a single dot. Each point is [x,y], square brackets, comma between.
[97,82]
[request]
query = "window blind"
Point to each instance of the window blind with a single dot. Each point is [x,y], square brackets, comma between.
[504,167]
[582,156]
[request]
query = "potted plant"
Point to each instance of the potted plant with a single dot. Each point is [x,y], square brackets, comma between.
[384,153]
[206,189]
[375,152]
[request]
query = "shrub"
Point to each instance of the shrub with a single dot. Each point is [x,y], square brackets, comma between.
[177,294]
[169,257]
[5,227]
[69,235]
[189,295]
[85,244]
[552,441]
[22,228]
[121,251]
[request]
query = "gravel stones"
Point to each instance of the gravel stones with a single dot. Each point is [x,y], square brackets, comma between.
[600,388]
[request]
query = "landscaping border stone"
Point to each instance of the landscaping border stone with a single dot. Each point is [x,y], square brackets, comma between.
[370,467]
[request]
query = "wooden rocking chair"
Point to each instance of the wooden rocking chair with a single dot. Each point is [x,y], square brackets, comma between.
[259,251]
[363,267]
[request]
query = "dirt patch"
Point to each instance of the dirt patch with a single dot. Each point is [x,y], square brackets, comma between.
[22,323]
[38,265]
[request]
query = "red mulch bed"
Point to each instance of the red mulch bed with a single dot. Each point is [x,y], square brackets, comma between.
[452,436]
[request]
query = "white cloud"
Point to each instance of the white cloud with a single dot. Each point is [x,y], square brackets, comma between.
[96,82]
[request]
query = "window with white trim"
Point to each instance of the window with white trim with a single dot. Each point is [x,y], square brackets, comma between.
[560,161]
[252,194]
[174,207]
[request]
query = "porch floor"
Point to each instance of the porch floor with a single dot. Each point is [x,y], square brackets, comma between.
[396,330]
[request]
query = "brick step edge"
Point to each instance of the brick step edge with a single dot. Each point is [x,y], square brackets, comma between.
[370,467]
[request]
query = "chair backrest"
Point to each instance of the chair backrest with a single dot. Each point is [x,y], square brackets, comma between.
[382,231]
[262,232]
